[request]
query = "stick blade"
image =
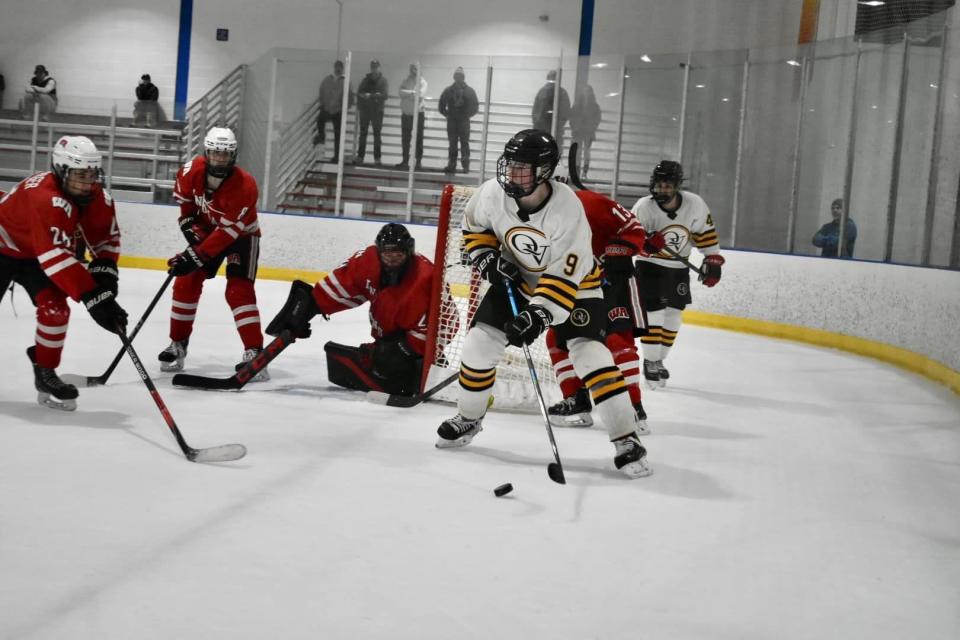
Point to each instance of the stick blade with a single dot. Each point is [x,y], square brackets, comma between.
[555,471]
[205,382]
[393,399]
[81,381]
[222,453]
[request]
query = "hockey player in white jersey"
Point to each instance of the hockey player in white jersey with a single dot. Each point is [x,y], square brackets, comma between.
[524,229]
[685,221]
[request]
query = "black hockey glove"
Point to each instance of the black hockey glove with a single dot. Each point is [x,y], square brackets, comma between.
[710,270]
[618,257]
[528,325]
[191,230]
[394,359]
[296,313]
[105,274]
[495,269]
[103,308]
[185,263]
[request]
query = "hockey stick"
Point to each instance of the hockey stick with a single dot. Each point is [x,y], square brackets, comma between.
[575,181]
[398,400]
[222,453]
[554,469]
[96,381]
[244,375]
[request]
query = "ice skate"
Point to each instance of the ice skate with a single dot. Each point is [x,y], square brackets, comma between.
[631,457]
[642,427]
[263,375]
[51,390]
[457,432]
[171,358]
[651,374]
[664,374]
[573,411]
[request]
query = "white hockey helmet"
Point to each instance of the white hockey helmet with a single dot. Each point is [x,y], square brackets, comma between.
[220,139]
[74,152]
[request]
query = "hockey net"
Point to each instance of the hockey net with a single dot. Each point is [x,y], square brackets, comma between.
[457,292]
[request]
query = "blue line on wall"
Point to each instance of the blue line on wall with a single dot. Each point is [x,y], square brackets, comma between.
[183,59]
[586,27]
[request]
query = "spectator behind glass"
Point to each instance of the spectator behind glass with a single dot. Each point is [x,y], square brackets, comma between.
[409,94]
[458,103]
[584,122]
[828,237]
[146,110]
[42,90]
[331,106]
[543,109]
[371,94]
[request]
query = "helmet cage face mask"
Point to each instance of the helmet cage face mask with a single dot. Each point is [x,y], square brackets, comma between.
[530,155]
[394,238]
[669,172]
[223,140]
[76,154]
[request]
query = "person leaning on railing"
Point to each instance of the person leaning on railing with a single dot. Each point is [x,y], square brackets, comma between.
[43,90]
[146,110]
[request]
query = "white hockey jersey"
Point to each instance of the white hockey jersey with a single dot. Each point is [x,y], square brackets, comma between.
[690,225]
[552,248]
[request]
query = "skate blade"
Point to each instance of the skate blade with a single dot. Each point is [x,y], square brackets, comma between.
[46,400]
[636,469]
[653,385]
[170,367]
[661,383]
[575,420]
[462,441]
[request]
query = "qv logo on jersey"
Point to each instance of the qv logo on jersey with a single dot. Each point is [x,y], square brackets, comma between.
[529,246]
[676,237]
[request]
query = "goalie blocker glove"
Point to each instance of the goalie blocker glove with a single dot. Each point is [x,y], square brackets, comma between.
[528,325]
[105,274]
[186,262]
[102,306]
[710,270]
[191,230]
[495,270]
[296,313]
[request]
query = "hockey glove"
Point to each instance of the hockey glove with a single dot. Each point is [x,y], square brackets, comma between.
[394,359]
[528,325]
[618,257]
[105,274]
[495,270]
[185,263]
[192,230]
[710,270]
[296,313]
[103,308]
[654,243]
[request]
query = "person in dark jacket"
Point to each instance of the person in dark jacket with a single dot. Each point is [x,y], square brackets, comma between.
[146,109]
[584,122]
[331,108]
[828,237]
[458,103]
[543,109]
[43,90]
[371,94]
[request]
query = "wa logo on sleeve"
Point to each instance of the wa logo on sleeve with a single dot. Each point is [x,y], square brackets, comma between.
[529,246]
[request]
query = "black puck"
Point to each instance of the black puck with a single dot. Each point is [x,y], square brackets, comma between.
[503,490]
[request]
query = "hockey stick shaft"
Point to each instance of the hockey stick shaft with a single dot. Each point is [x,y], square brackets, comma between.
[245,374]
[214,454]
[555,472]
[575,181]
[399,400]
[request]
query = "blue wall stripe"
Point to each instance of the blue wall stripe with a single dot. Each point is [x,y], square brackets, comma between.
[183,59]
[586,27]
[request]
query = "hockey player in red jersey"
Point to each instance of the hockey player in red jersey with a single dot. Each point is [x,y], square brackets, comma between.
[218,217]
[395,280]
[617,237]
[39,219]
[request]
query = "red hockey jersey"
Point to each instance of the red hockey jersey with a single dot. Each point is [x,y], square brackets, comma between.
[38,220]
[402,307]
[223,215]
[610,223]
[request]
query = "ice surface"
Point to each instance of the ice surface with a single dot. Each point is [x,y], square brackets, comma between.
[798,493]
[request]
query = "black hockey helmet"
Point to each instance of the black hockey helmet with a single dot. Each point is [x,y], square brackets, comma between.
[666,171]
[535,148]
[394,237]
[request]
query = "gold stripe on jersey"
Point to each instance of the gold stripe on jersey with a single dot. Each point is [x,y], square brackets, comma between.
[472,241]
[605,383]
[561,291]
[476,380]
[654,335]
[706,239]
[592,279]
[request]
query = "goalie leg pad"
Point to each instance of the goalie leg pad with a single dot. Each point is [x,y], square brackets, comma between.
[349,367]
[482,349]
[53,316]
[607,387]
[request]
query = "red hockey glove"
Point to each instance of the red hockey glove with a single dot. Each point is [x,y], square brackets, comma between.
[710,270]
[654,243]
[618,256]
[185,263]
[192,230]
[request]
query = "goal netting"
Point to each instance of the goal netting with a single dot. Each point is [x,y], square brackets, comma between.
[457,292]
